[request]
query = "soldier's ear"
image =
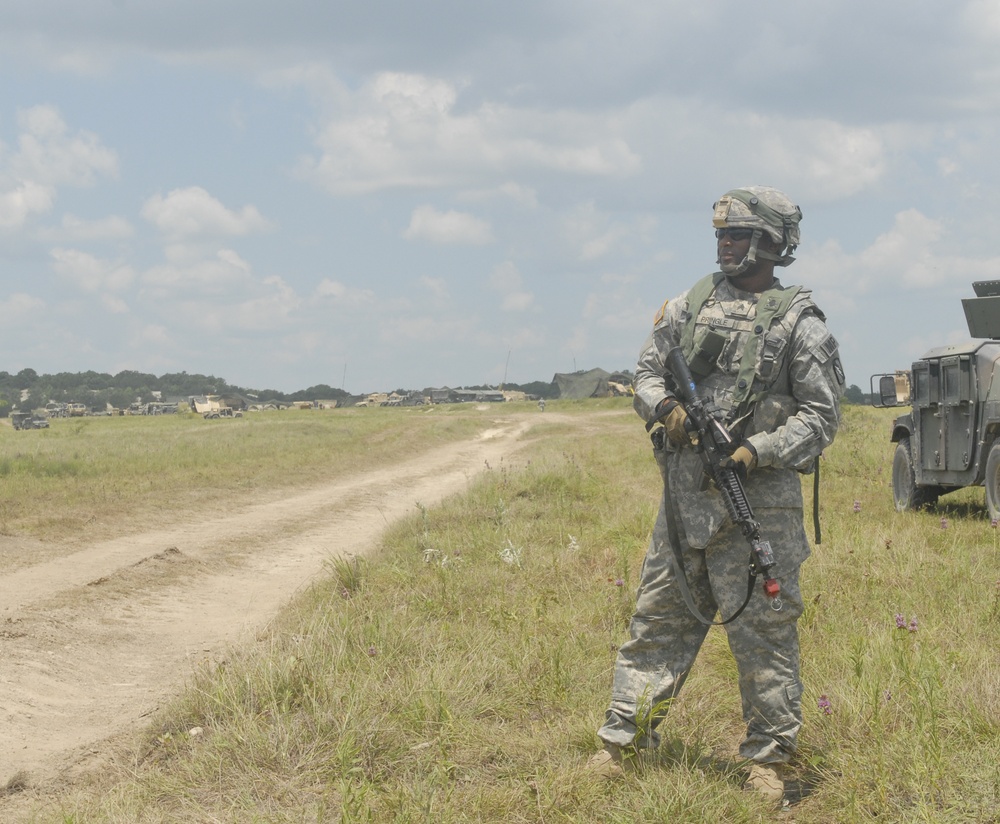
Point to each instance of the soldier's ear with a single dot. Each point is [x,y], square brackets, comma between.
[767,243]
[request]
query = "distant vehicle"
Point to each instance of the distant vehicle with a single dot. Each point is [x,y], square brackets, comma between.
[28,420]
[950,437]
[222,412]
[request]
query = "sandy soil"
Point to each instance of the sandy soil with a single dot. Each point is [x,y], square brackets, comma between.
[94,639]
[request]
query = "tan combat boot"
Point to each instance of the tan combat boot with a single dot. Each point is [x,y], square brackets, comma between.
[767,779]
[612,762]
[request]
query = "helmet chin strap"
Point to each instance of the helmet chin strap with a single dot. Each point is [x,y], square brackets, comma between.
[735,270]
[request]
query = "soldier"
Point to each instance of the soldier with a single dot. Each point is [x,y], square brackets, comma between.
[761,352]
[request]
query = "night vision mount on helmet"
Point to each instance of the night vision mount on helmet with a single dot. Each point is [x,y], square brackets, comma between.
[761,209]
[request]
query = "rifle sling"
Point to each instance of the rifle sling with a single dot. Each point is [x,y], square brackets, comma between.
[816,529]
[686,591]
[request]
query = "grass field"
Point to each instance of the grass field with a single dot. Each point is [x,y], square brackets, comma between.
[459,673]
[63,483]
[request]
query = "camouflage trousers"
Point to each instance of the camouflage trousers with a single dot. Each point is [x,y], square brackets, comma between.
[665,638]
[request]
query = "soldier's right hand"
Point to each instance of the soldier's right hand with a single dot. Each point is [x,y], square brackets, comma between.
[673,416]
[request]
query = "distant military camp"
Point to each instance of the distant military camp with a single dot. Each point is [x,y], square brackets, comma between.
[31,400]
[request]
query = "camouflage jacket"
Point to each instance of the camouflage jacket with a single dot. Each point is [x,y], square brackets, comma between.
[794,413]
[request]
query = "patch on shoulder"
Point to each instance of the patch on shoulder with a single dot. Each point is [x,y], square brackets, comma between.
[827,348]
[659,315]
[838,371]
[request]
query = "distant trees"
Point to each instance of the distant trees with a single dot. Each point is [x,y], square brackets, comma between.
[99,389]
[856,396]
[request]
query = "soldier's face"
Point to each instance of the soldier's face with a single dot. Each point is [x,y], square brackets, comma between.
[733,245]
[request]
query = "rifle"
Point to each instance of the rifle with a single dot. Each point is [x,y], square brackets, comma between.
[715,443]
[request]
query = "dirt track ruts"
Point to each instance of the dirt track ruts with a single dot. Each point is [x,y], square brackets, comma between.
[93,640]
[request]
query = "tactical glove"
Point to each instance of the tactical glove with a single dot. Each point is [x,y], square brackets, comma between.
[743,460]
[673,416]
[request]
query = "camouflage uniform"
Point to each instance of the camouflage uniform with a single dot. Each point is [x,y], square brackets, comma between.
[791,423]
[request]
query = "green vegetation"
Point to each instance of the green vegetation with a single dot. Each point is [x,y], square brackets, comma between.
[460,672]
[65,482]
[96,390]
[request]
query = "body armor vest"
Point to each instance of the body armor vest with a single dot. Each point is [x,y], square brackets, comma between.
[768,327]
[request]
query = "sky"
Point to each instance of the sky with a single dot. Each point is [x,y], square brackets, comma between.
[387,194]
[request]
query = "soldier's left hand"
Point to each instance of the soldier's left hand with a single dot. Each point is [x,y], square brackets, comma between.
[743,460]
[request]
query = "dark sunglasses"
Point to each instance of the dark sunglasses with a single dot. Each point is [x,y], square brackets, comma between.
[734,234]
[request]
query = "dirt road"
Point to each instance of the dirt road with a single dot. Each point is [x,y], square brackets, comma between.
[93,639]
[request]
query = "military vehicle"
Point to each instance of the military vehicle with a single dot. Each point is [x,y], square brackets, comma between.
[950,438]
[29,420]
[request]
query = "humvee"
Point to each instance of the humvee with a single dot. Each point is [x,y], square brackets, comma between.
[28,420]
[950,438]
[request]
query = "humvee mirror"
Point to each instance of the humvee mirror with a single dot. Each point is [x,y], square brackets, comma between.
[887,391]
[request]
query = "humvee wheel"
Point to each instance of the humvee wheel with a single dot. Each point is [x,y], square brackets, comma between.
[992,481]
[906,493]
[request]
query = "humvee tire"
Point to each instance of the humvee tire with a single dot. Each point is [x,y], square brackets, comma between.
[905,492]
[992,481]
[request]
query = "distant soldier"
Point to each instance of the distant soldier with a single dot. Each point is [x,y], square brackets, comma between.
[761,353]
[541,404]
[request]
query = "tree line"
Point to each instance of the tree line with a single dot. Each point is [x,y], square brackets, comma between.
[27,390]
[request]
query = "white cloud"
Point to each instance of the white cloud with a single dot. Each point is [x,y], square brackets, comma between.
[405,130]
[685,142]
[422,329]
[451,227]
[73,229]
[517,193]
[25,199]
[343,295]
[593,234]
[89,273]
[437,287]
[20,309]
[525,195]
[193,212]
[273,309]
[154,333]
[506,279]
[222,274]
[915,255]
[48,154]
[114,304]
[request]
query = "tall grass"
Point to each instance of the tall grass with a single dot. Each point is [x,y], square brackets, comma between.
[82,474]
[459,674]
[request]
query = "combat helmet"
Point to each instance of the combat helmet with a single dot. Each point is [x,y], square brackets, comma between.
[761,209]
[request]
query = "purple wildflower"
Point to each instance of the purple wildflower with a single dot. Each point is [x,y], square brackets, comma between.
[857,506]
[994,522]
[887,695]
[900,621]
[913,624]
[944,523]
[372,651]
[824,705]
[619,582]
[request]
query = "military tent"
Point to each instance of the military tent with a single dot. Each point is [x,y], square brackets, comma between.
[592,383]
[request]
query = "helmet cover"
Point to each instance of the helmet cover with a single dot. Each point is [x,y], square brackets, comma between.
[760,207]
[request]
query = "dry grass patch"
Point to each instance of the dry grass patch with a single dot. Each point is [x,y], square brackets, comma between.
[461,673]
